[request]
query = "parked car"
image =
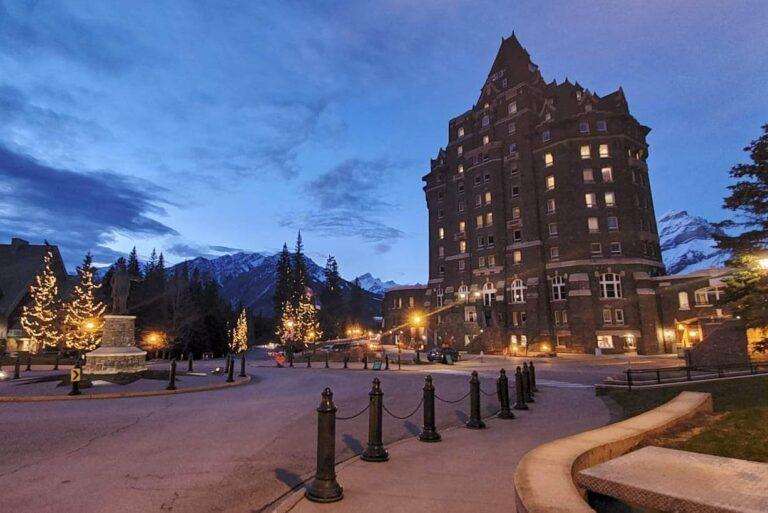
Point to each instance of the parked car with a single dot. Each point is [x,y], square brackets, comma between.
[436,354]
[341,348]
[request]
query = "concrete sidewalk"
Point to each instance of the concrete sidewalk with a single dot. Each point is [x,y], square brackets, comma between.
[470,470]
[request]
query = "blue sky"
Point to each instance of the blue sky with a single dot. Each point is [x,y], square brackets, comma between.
[207,127]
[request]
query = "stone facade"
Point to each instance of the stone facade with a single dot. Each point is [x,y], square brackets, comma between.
[401,305]
[118,352]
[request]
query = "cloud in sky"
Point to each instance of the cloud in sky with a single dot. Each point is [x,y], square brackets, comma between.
[79,211]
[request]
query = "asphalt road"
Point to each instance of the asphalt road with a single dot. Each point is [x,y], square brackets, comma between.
[238,449]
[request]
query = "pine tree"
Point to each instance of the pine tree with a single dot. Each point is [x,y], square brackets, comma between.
[83,311]
[747,290]
[134,267]
[356,303]
[300,280]
[40,318]
[299,325]
[239,341]
[332,301]
[283,280]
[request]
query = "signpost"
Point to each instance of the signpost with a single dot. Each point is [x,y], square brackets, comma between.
[75,375]
[377,365]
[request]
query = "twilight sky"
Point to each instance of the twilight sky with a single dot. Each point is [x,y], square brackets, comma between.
[205,127]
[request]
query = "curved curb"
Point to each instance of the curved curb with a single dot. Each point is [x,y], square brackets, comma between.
[543,480]
[121,395]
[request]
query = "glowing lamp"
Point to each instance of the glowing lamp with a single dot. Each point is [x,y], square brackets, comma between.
[763,263]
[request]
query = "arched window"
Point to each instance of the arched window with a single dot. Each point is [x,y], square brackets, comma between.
[610,286]
[489,293]
[464,293]
[558,288]
[517,291]
[439,295]
[682,298]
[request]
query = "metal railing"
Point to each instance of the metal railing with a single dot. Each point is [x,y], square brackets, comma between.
[638,378]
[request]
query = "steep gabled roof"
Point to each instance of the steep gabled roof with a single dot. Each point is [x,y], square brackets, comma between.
[513,61]
[19,264]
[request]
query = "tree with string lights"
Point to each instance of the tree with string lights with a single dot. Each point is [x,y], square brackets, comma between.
[299,324]
[40,318]
[83,311]
[239,341]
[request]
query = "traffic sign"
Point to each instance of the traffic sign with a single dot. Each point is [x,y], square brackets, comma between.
[75,374]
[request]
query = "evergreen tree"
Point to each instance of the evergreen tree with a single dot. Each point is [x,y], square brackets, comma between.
[300,280]
[356,304]
[239,341]
[747,290]
[299,325]
[332,301]
[40,318]
[283,280]
[83,311]
[133,266]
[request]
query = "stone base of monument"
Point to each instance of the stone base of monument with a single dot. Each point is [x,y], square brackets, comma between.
[118,352]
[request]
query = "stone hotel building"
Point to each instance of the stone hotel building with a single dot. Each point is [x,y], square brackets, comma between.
[542,231]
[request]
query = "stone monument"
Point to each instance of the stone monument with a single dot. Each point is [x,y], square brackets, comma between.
[118,352]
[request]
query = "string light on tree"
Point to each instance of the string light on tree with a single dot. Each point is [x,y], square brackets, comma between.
[82,311]
[40,317]
[239,341]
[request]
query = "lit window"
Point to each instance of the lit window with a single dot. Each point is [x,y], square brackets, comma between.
[616,248]
[604,153]
[613,223]
[584,127]
[511,128]
[517,291]
[682,298]
[549,160]
[607,317]
[550,182]
[441,233]
[596,248]
[546,136]
[586,153]
[479,221]
[481,261]
[462,246]
[462,226]
[588,176]
[461,131]
[489,293]
[512,109]
[487,197]
[486,139]
[461,168]
[440,295]
[590,199]
[593,225]
[460,150]
[610,286]
[708,296]
[515,212]
[554,253]
[610,199]
[607,174]
[619,316]
[491,260]
[552,227]
[558,288]
[489,219]
[602,126]
[517,256]
[464,293]
[486,120]
[550,206]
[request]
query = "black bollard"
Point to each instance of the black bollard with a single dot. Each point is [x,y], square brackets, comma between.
[474,422]
[428,430]
[503,385]
[231,369]
[29,362]
[519,392]
[346,361]
[398,361]
[375,450]
[56,362]
[527,394]
[386,362]
[365,362]
[190,360]
[16,368]
[418,356]
[290,358]
[325,488]
[242,366]
[309,361]
[326,359]
[532,371]
[172,378]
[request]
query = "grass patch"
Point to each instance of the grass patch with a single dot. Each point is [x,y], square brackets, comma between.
[727,395]
[738,434]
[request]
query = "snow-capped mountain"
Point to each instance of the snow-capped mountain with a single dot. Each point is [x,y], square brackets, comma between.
[249,279]
[372,284]
[687,244]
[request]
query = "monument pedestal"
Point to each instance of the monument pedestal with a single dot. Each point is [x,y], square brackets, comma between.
[118,352]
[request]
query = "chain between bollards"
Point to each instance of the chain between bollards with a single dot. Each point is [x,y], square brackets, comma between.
[532,370]
[172,378]
[503,387]
[375,450]
[324,487]
[429,430]
[474,422]
[519,391]
[242,365]
[527,393]
[231,369]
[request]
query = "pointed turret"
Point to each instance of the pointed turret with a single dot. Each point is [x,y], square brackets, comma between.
[513,60]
